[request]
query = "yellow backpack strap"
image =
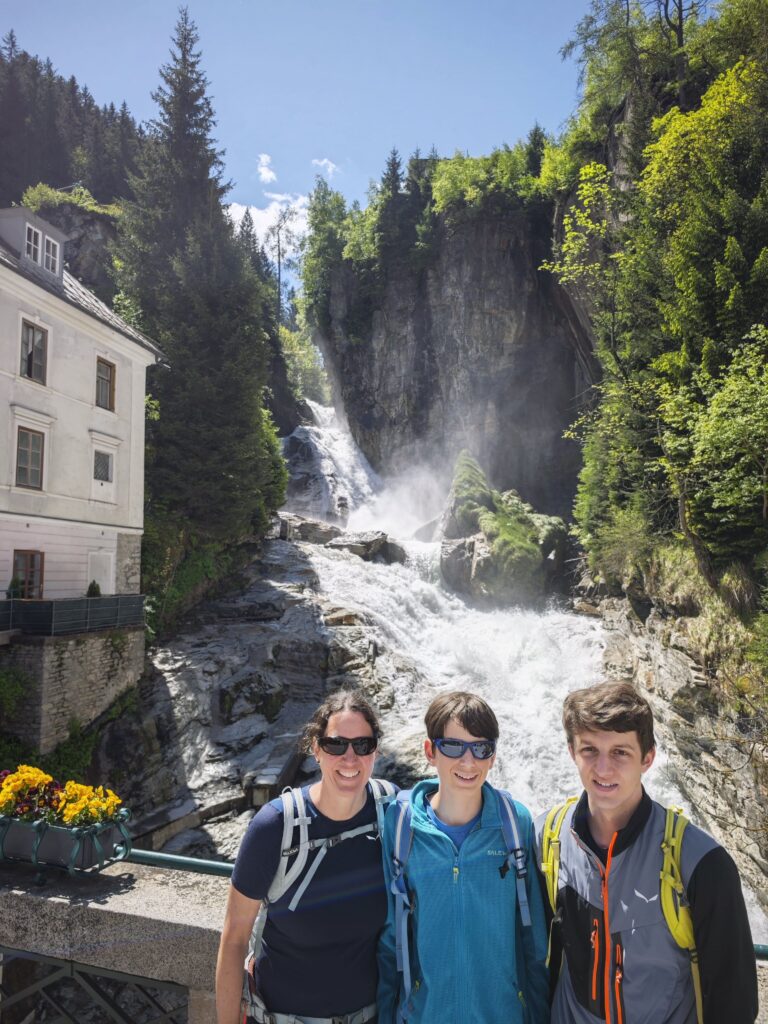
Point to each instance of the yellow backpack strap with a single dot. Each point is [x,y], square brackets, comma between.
[550,848]
[676,913]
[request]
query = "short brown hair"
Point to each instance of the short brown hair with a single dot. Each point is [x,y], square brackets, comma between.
[470,711]
[611,707]
[342,700]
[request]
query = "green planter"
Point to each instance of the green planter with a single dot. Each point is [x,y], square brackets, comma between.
[80,850]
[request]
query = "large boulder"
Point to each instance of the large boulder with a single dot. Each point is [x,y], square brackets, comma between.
[371,546]
[495,546]
[314,531]
[366,545]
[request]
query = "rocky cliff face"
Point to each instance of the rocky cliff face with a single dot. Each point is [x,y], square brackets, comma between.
[481,350]
[716,759]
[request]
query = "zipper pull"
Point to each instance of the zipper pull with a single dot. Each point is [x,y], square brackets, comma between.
[455,873]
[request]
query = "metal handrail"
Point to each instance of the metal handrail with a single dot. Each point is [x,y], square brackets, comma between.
[223,868]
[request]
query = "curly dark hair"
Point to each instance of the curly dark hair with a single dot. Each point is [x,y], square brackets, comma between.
[342,700]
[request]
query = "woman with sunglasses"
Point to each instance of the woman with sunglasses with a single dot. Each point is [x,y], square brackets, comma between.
[317,955]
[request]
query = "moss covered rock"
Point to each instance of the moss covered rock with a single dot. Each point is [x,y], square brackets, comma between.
[495,545]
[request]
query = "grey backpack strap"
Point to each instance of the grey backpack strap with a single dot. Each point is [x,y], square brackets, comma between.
[383,791]
[294,814]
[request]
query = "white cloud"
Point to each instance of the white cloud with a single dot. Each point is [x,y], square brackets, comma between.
[266,174]
[265,216]
[326,165]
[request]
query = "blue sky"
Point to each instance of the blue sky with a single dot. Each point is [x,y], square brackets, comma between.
[302,87]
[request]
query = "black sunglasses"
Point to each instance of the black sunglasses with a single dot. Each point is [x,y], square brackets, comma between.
[481,749]
[337,745]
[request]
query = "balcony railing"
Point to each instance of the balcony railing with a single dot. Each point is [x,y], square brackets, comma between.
[71,615]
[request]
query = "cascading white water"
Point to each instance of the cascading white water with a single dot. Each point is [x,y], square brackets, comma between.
[523,662]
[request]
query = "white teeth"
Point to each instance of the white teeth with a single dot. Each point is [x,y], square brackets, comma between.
[348,775]
[467,778]
[605,785]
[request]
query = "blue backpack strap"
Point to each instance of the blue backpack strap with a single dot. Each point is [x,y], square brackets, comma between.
[516,855]
[403,902]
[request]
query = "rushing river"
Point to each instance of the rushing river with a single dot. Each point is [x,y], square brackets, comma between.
[522,662]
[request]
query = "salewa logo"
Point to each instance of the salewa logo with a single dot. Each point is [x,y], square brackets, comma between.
[496,853]
[648,899]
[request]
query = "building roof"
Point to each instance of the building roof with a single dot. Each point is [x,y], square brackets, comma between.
[76,294]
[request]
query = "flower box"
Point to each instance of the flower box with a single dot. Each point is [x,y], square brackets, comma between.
[47,824]
[88,848]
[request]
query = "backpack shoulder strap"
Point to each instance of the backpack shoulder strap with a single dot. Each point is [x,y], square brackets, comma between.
[294,815]
[550,848]
[381,791]
[676,912]
[516,852]
[401,851]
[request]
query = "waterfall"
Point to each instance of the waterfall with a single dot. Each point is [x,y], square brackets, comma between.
[522,662]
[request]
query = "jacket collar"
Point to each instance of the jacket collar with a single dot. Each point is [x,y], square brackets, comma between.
[489,817]
[626,836]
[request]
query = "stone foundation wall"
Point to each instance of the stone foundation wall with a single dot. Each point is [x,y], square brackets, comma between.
[128,564]
[73,677]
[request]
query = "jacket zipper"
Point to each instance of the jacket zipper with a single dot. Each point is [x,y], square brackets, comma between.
[617,986]
[595,956]
[607,930]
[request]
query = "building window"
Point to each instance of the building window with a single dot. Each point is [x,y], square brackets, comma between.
[34,352]
[105,384]
[102,466]
[28,570]
[33,244]
[51,256]
[29,459]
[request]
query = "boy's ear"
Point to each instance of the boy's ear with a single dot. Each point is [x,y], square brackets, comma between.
[647,761]
[429,752]
[570,751]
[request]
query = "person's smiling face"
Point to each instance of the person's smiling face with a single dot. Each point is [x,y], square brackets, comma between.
[462,774]
[611,766]
[349,772]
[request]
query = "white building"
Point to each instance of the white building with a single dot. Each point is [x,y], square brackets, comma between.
[72,387]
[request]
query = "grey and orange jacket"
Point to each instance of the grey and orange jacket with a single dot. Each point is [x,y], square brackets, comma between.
[613,957]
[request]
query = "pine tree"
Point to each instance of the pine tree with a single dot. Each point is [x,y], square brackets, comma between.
[14,117]
[215,468]
[392,207]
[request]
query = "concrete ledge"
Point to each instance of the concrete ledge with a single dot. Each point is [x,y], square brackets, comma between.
[154,923]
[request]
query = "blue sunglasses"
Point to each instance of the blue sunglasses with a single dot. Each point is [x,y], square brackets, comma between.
[481,749]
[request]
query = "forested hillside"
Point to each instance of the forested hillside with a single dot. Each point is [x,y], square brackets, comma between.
[52,130]
[657,196]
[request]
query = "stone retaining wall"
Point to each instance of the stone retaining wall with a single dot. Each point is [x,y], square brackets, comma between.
[155,924]
[71,678]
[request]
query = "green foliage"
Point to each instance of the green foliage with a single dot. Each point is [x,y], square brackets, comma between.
[13,752]
[468,183]
[72,758]
[94,590]
[51,130]
[13,683]
[580,258]
[214,469]
[514,546]
[42,197]
[514,533]
[306,372]
[322,251]
[472,495]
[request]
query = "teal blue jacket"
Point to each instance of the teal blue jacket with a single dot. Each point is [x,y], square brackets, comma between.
[471,960]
